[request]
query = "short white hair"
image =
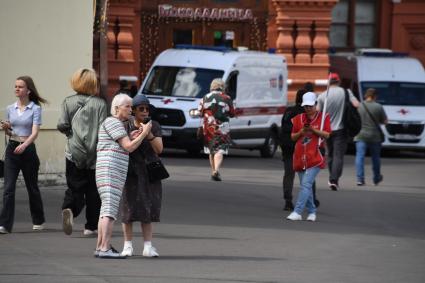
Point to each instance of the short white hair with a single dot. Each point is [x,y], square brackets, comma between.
[217,84]
[119,99]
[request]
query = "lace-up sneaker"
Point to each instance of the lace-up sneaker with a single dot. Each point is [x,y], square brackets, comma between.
[294,216]
[333,185]
[111,253]
[3,230]
[38,227]
[88,232]
[127,251]
[150,252]
[67,221]
[96,253]
[311,217]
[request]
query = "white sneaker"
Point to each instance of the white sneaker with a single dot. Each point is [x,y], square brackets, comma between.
[311,217]
[150,252]
[294,216]
[3,230]
[38,227]
[88,232]
[127,251]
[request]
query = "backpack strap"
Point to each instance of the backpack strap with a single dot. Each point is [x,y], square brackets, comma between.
[79,108]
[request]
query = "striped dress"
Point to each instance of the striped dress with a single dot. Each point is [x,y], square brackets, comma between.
[111,166]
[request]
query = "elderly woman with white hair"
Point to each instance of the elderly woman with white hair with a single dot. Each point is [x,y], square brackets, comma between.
[113,150]
[216,108]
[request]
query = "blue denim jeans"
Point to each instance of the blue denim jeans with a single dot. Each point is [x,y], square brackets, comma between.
[305,195]
[375,153]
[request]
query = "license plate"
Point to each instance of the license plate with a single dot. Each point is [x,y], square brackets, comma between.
[405,137]
[166,132]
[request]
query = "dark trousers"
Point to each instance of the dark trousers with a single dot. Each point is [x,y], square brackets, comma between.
[29,163]
[288,177]
[82,191]
[337,146]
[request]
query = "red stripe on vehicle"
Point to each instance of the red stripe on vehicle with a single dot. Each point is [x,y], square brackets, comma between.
[263,110]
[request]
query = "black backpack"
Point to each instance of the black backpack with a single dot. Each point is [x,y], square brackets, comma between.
[351,118]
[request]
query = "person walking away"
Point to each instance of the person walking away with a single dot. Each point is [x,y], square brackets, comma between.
[81,115]
[308,158]
[141,199]
[337,143]
[309,87]
[216,108]
[372,114]
[113,149]
[22,125]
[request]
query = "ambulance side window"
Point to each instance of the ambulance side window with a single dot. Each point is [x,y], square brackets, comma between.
[231,84]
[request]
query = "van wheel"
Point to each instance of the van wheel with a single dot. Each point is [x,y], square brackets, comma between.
[270,146]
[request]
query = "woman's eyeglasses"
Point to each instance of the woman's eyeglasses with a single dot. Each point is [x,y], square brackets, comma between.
[143,108]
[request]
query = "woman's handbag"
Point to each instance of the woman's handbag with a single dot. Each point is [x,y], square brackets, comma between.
[382,135]
[156,171]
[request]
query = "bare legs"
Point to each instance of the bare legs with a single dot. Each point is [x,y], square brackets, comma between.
[215,162]
[127,228]
[148,249]
[212,164]
[147,230]
[104,233]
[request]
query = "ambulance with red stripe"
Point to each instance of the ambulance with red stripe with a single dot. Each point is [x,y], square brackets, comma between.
[400,84]
[256,81]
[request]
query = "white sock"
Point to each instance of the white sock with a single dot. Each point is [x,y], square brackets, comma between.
[128,244]
[148,244]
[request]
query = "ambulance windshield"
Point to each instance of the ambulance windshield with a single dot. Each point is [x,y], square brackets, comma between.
[398,93]
[180,81]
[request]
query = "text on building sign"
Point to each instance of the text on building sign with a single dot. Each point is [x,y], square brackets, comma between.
[168,11]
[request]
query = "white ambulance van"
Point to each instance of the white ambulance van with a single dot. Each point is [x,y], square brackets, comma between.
[400,83]
[256,81]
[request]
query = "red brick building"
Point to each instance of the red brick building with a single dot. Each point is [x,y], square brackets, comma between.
[304,31]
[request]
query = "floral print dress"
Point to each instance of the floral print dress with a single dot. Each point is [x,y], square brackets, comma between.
[216,109]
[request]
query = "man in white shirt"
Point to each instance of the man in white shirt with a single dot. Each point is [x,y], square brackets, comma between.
[337,143]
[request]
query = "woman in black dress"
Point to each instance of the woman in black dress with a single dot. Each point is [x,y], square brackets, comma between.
[141,200]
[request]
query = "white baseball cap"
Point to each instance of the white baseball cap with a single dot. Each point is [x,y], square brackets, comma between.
[309,98]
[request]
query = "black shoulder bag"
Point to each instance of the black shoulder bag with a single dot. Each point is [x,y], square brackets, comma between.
[351,117]
[382,135]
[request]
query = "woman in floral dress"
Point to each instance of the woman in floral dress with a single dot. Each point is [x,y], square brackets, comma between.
[216,108]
